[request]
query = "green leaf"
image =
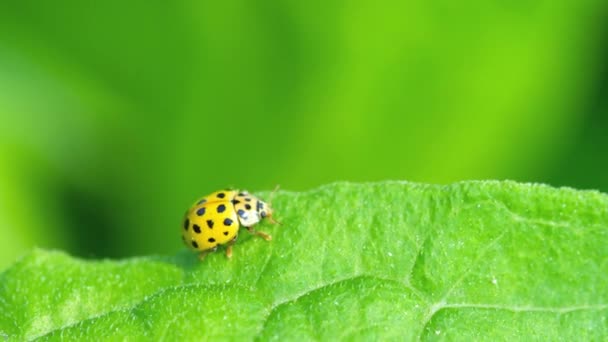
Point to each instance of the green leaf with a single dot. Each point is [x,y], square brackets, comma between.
[393,260]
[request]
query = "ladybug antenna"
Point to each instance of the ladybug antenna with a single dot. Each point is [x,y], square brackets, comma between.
[276,188]
[270,218]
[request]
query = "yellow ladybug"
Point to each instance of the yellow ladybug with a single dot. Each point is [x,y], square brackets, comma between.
[215,220]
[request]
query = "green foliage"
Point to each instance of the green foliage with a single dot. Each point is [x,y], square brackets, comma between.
[393,260]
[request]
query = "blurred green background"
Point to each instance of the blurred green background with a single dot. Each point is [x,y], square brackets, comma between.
[115,116]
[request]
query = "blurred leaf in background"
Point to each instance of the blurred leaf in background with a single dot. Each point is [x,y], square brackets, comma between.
[115,116]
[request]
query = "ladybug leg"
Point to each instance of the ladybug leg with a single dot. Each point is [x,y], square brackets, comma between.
[260,234]
[229,248]
[203,254]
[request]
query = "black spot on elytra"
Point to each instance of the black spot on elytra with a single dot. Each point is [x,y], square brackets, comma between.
[227,222]
[242,213]
[226,233]
[201,201]
[186,224]
[200,211]
[211,240]
[210,224]
[221,195]
[221,208]
[247,206]
[248,199]
[196,228]
[235,201]
[194,244]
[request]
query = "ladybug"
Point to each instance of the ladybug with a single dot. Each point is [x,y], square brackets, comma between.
[216,218]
